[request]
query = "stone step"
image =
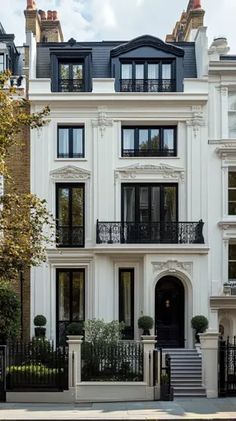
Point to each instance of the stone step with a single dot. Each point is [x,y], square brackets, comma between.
[182,363]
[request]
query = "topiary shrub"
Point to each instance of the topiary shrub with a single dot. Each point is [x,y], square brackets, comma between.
[145,323]
[9,312]
[75,328]
[199,323]
[39,322]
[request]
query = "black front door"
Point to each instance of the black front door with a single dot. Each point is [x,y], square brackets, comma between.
[169,312]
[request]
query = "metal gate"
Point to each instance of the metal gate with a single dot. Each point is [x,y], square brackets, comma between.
[227,368]
[2,373]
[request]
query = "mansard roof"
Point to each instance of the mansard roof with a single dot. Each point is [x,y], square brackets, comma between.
[147,41]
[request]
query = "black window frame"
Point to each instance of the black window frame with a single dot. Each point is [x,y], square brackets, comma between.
[70,226]
[145,79]
[70,271]
[150,152]
[231,188]
[128,332]
[150,185]
[72,85]
[71,153]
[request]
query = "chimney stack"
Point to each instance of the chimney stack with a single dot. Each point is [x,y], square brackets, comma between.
[46,27]
[188,24]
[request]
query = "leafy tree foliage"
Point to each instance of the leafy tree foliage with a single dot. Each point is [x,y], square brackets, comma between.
[24,220]
[9,312]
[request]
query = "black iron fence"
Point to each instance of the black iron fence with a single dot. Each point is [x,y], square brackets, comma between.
[150,232]
[36,365]
[227,367]
[147,85]
[121,361]
[2,373]
[148,152]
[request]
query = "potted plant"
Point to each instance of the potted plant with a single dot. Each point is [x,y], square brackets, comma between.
[39,323]
[145,323]
[75,329]
[199,323]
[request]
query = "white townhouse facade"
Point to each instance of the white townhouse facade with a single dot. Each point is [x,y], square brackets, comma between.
[128,166]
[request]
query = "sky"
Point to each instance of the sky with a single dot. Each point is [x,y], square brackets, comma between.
[87,20]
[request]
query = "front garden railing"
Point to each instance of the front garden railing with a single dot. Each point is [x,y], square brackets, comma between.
[121,361]
[36,365]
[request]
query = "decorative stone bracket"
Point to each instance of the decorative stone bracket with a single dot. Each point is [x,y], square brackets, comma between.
[102,121]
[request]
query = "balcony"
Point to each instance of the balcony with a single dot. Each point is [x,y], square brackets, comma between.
[148,152]
[150,232]
[71,85]
[68,236]
[147,85]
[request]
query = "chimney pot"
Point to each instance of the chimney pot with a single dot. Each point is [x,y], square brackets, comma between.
[42,14]
[54,15]
[197,4]
[31,4]
[49,15]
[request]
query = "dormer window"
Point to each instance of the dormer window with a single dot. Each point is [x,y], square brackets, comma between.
[71,77]
[147,76]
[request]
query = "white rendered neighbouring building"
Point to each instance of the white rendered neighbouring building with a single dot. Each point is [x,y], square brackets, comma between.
[137,182]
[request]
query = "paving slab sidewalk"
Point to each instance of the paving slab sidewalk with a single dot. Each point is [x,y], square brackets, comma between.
[191,408]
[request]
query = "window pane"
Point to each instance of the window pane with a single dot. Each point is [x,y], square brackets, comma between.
[125,298]
[169,207]
[153,71]
[232,252]
[143,139]
[64,296]
[232,100]
[63,206]
[63,145]
[129,204]
[144,204]
[232,178]
[232,208]
[166,71]
[232,195]
[77,206]
[168,139]
[77,71]
[155,139]
[232,124]
[64,71]
[78,295]
[128,138]
[155,204]
[78,142]
[126,71]
[232,270]
[139,71]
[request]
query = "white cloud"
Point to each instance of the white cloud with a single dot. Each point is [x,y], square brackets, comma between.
[123,19]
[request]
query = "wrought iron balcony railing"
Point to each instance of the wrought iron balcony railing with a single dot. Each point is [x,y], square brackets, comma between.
[68,236]
[148,152]
[150,232]
[147,85]
[71,85]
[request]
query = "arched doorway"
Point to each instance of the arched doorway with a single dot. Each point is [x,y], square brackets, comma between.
[169,312]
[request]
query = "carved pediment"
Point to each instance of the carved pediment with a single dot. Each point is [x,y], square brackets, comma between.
[173,266]
[164,171]
[69,172]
